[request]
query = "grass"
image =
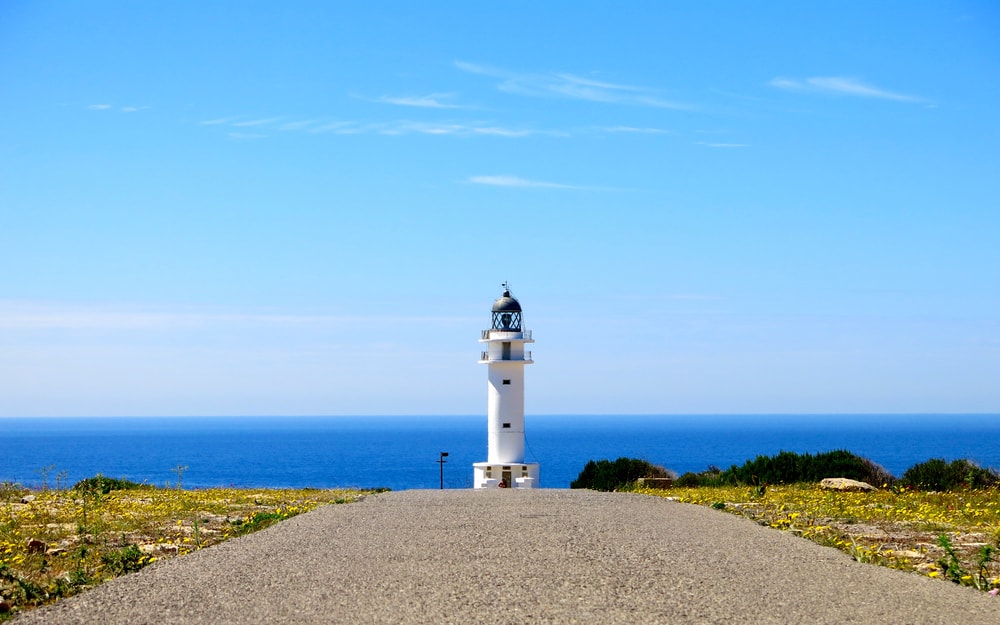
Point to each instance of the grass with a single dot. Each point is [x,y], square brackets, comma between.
[948,535]
[57,543]
[64,541]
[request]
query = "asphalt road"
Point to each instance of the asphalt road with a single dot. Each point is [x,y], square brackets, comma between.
[507,557]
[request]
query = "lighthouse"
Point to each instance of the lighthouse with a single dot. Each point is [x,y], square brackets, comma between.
[505,358]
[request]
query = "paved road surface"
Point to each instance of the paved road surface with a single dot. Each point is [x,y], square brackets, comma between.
[508,557]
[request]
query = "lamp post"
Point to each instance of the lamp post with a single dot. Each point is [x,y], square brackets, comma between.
[441,461]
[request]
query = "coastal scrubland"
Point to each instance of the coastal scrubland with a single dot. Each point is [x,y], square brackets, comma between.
[57,542]
[940,518]
[951,535]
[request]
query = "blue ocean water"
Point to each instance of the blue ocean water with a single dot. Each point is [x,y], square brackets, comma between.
[402,452]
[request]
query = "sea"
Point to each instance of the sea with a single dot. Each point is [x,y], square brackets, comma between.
[405,452]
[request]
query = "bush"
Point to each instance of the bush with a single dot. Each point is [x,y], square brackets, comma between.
[789,467]
[126,560]
[10,491]
[937,474]
[608,476]
[105,485]
[708,477]
[688,480]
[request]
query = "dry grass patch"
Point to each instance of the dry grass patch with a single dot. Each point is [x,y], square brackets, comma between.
[949,535]
[56,543]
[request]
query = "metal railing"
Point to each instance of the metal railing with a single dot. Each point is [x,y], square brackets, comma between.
[486,356]
[526,334]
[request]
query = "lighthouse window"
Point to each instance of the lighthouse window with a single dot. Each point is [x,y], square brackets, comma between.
[506,425]
[506,381]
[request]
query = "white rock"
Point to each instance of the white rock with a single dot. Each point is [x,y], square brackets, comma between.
[844,484]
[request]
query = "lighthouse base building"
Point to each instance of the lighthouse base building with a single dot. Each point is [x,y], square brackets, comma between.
[491,475]
[506,358]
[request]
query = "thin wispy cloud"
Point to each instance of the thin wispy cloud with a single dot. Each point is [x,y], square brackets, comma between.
[256,122]
[465,129]
[334,127]
[693,297]
[19,315]
[391,128]
[298,125]
[111,107]
[433,101]
[516,181]
[839,85]
[511,132]
[219,121]
[708,144]
[27,316]
[571,86]
[631,130]
[246,135]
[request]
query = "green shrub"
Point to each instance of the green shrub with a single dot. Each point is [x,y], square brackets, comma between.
[104,485]
[10,491]
[256,522]
[938,474]
[709,477]
[789,467]
[125,560]
[608,476]
[688,480]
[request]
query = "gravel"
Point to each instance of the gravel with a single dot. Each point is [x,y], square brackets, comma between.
[503,557]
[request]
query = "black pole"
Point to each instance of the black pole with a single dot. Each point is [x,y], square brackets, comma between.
[441,461]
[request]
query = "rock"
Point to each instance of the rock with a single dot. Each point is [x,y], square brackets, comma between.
[845,485]
[4,606]
[55,551]
[27,499]
[36,546]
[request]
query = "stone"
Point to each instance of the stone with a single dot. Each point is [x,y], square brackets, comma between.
[36,546]
[845,485]
[169,549]
[27,499]
[4,606]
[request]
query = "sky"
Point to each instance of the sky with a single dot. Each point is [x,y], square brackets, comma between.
[308,208]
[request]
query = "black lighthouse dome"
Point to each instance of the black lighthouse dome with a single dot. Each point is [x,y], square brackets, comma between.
[506,312]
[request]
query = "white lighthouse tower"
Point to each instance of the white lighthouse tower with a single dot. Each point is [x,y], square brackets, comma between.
[506,358]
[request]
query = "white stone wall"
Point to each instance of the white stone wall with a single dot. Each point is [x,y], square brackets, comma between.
[505,412]
[522,475]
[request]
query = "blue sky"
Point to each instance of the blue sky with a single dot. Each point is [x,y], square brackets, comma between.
[217,208]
